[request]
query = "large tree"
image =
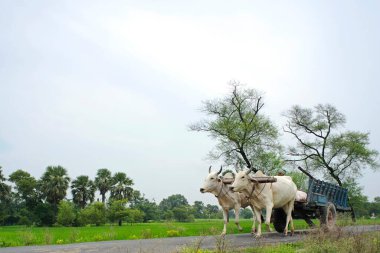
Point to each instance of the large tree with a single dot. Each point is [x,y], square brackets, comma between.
[25,186]
[121,186]
[83,190]
[173,201]
[323,146]
[244,135]
[103,182]
[5,190]
[54,184]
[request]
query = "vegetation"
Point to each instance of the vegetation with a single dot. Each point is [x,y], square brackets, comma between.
[245,136]
[33,202]
[316,242]
[322,146]
[83,190]
[22,235]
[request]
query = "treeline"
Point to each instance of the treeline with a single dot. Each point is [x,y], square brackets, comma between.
[25,200]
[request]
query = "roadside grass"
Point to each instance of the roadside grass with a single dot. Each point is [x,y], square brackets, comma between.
[318,241]
[25,236]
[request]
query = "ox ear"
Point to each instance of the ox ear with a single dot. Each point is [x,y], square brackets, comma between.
[221,167]
[209,169]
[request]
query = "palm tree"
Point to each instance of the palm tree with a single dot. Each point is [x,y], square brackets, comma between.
[121,186]
[83,190]
[5,190]
[54,183]
[103,182]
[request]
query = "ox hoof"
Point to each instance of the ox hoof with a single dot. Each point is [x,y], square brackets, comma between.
[254,231]
[256,235]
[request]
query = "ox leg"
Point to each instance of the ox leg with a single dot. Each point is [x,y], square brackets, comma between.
[225,218]
[291,208]
[268,216]
[288,210]
[258,219]
[237,209]
[253,229]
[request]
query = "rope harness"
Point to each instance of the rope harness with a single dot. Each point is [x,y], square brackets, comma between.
[221,191]
[253,189]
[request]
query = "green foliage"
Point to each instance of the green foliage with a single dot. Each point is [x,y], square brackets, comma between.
[246,213]
[172,233]
[54,183]
[213,212]
[150,209]
[243,134]
[5,190]
[103,182]
[117,211]
[300,179]
[182,214]
[198,209]
[45,214]
[357,199]
[25,184]
[121,186]
[134,216]
[83,190]
[173,201]
[95,213]
[12,235]
[323,147]
[66,213]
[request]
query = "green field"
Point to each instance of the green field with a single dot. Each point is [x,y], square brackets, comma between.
[21,236]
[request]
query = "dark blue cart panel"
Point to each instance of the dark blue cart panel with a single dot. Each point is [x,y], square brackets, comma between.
[320,192]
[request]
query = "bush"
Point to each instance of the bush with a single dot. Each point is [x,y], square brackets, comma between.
[172,233]
[93,214]
[66,213]
[146,234]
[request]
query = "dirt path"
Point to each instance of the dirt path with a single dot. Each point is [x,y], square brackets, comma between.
[172,245]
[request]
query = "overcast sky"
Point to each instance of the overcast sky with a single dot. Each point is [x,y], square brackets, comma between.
[115,84]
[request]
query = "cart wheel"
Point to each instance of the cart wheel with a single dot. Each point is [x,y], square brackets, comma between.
[279,219]
[328,216]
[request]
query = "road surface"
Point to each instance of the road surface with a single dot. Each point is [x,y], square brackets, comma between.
[172,245]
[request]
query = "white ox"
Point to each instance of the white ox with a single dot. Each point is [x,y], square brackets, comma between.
[280,194]
[227,199]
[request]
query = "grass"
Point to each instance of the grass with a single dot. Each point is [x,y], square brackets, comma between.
[316,242]
[24,236]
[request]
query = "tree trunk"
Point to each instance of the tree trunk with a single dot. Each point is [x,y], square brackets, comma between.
[103,198]
[249,165]
[120,222]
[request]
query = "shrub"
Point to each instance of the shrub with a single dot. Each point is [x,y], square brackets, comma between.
[172,233]
[66,213]
[146,234]
[28,237]
[93,214]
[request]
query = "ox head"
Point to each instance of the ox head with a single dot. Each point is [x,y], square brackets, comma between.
[212,181]
[242,180]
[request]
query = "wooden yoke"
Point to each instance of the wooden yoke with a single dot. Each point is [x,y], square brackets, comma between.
[260,180]
[263,179]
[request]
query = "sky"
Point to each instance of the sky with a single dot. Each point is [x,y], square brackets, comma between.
[115,84]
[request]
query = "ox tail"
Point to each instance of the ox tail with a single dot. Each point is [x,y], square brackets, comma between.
[228,217]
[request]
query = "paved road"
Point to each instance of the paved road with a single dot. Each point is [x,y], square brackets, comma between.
[172,245]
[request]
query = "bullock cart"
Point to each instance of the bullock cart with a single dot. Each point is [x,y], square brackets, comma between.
[323,201]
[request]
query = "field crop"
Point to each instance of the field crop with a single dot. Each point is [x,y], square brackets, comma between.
[22,236]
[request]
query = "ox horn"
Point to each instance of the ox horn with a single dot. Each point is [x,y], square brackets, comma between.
[248,171]
[220,170]
[209,169]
